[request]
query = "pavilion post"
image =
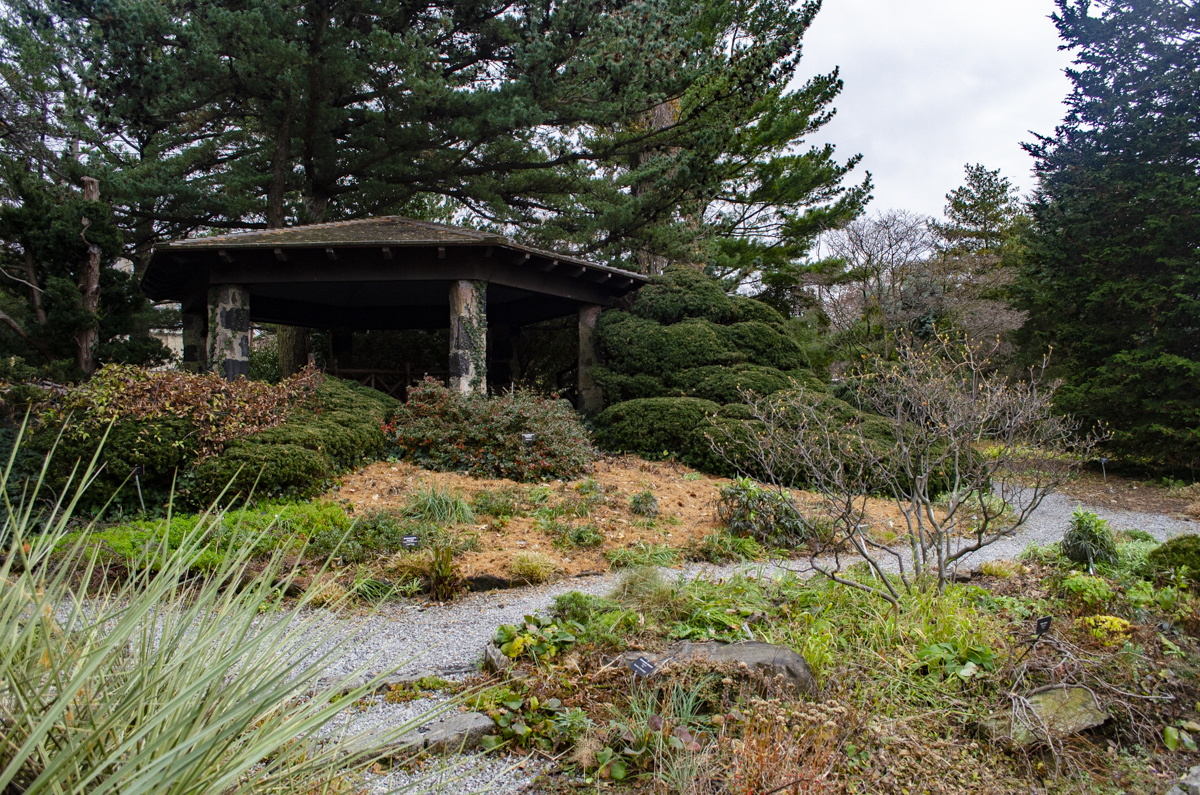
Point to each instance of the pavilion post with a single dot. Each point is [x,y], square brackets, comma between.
[229,330]
[195,338]
[590,400]
[468,336]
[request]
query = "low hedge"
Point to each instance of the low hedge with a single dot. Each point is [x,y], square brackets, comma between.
[339,427]
[190,436]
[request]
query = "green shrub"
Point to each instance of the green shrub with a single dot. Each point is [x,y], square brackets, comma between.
[502,503]
[336,428]
[577,607]
[1089,541]
[654,426]
[159,424]
[1179,556]
[750,510]
[445,430]
[685,293]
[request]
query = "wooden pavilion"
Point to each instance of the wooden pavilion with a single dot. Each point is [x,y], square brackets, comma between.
[378,273]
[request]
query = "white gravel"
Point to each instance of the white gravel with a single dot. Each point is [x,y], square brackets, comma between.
[448,639]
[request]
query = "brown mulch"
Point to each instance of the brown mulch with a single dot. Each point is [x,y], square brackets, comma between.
[1120,493]
[687,503]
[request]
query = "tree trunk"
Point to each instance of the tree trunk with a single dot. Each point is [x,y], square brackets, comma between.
[35,292]
[89,288]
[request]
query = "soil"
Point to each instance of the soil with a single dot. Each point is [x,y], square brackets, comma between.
[1096,491]
[687,502]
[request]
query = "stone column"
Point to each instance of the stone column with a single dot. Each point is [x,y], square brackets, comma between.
[468,336]
[195,339]
[590,399]
[229,330]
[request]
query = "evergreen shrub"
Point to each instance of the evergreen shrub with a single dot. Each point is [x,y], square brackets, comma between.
[652,427]
[1179,555]
[445,430]
[197,434]
[1088,540]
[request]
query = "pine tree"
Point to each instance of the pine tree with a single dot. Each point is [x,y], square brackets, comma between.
[1112,274]
[619,128]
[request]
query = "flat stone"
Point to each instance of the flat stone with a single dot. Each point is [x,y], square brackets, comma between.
[1058,713]
[451,733]
[764,659]
[1188,785]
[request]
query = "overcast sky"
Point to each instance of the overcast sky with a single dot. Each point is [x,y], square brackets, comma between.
[931,85]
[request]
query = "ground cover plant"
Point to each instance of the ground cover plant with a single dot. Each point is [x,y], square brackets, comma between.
[515,435]
[905,695]
[158,679]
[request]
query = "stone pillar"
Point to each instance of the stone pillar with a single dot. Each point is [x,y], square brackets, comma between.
[468,336]
[590,399]
[195,339]
[229,330]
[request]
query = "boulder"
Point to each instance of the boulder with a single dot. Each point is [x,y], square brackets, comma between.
[1188,785]
[1060,712]
[764,659]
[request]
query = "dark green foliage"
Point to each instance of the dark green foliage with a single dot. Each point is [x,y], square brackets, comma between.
[337,428]
[1089,541]
[245,112]
[503,503]
[750,510]
[1112,274]
[1179,555]
[683,350]
[683,293]
[445,430]
[644,503]
[654,427]
[721,546]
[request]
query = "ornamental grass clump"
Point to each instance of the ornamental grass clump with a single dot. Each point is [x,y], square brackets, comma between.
[157,680]
[516,435]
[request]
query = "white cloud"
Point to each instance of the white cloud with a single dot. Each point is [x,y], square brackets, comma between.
[931,85]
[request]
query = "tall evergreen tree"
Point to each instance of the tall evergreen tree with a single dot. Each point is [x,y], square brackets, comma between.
[622,128]
[1112,274]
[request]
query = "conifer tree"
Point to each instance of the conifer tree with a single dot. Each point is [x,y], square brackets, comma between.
[1112,273]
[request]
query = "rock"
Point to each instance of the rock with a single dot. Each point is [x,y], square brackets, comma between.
[338,685]
[1059,712]
[765,659]
[495,660]
[395,681]
[487,582]
[449,734]
[1188,785]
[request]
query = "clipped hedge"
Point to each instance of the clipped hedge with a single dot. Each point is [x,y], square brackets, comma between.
[652,427]
[338,427]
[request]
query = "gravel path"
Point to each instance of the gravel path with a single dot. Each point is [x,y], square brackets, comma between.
[448,639]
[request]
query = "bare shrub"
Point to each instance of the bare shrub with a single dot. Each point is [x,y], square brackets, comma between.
[990,448]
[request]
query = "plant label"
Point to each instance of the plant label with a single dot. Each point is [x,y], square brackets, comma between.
[409,542]
[641,666]
[1043,626]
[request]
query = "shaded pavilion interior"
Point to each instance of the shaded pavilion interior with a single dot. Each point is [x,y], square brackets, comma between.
[378,274]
